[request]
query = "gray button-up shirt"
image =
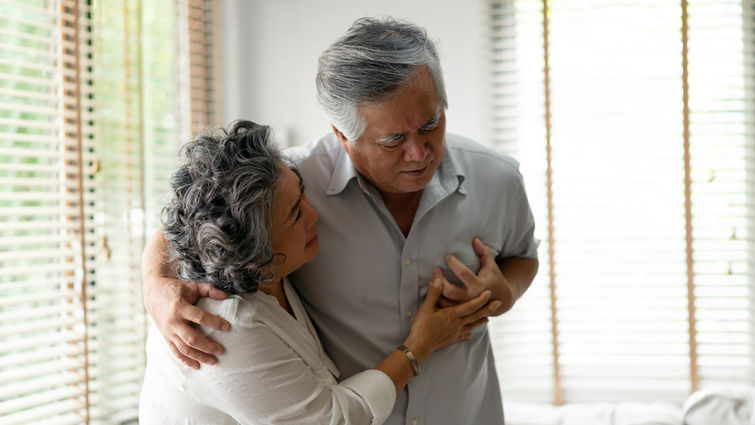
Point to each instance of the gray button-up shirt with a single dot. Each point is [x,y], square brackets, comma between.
[368,280]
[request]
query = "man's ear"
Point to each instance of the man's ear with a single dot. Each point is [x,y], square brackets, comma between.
[341,137]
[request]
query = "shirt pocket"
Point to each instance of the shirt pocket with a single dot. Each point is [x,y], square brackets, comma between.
[460,247]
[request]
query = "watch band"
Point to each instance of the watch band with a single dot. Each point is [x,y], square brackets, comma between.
[412,359]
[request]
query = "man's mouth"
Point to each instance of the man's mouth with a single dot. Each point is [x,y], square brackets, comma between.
[418,172]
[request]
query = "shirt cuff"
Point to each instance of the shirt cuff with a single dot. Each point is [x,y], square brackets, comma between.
[376,389]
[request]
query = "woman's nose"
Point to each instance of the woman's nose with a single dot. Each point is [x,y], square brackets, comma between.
[310,210]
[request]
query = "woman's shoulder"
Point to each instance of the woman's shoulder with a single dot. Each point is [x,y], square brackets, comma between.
[244,310]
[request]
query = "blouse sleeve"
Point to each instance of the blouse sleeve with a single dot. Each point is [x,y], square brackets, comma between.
[261,379]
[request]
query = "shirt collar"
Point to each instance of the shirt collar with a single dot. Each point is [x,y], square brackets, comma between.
[449,174]
[343,172]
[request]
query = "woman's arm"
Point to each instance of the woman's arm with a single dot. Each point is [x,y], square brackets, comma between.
[261,378]
[434,328]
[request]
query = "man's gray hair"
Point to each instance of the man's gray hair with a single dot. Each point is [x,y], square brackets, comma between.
[374,59]
[217,223]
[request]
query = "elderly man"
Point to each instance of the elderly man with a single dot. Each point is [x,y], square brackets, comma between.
[397,198]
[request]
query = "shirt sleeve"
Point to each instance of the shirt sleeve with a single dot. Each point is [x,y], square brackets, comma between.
[261,379]
[519,240]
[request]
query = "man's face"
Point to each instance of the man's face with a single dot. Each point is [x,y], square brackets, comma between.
[404,141]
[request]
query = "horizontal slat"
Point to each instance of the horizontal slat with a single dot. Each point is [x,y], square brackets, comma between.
[63,337]
[45,20]
[53,267]
[67,411]
[39,399]
[38,297]
[51,149]
[39,196]
[25,381]
[35,326]
[36,254]
[32,123]
[36,312]
[42,354]
[16,78]
[19,94]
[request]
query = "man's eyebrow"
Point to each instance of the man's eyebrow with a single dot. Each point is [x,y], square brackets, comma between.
[390,138]
[434,119]
[431,122]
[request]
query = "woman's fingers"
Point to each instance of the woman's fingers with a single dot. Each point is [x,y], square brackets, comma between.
[483,312]
[479,322]
[434,291]
[469,307]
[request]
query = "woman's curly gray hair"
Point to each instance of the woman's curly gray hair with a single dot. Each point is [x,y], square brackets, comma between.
[217,223]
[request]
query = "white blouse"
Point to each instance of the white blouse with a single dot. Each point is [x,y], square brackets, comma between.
[273,371]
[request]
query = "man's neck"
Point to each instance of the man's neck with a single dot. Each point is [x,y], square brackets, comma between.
[403,207]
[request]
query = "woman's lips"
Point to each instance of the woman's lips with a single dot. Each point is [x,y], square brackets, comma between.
[313,240]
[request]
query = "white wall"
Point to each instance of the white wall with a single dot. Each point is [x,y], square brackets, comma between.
[271,50]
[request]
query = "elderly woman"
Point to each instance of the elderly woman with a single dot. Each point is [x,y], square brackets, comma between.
[241,221]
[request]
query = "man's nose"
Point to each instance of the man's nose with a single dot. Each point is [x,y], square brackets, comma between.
[415,150]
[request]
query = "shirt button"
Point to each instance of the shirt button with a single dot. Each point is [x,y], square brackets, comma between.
[415,421]
[407,261]
[409,313]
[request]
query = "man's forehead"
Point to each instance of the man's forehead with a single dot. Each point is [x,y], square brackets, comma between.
[391,123]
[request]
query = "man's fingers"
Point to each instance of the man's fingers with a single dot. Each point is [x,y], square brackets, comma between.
[209,290]
[454,293]
[185,360]
[438,273]
[460,270]
[194,354]
[196,315]
[198,343]
[444,302]
[484,252]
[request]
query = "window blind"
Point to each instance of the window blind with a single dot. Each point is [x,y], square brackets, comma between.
[604,137]
[91,121]
[43,337]
[116,211]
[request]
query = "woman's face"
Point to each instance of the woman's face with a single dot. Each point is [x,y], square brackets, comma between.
[294,231]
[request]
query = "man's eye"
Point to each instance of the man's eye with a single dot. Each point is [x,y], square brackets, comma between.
[298,215]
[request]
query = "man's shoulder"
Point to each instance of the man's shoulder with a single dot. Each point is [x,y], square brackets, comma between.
[321,149]
[475,157]
[316,161]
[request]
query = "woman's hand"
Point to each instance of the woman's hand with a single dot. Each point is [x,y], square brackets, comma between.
[434,327]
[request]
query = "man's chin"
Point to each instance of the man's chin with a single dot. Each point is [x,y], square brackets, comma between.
[414,184]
